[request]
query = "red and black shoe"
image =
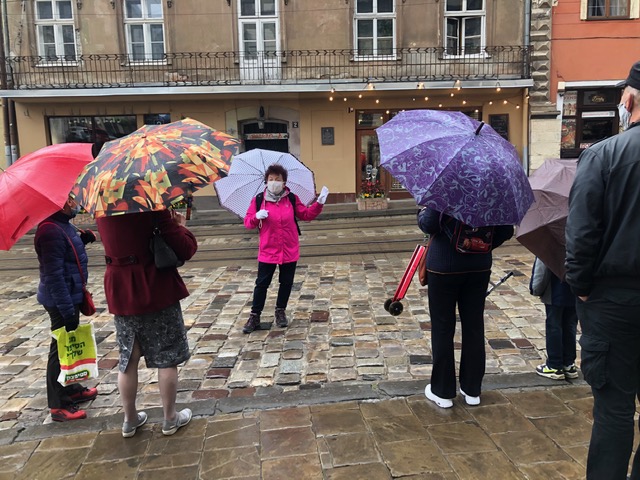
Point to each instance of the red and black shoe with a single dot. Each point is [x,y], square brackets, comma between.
[84,395]
[67,414]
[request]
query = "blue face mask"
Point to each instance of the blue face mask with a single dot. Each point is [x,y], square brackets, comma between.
[75,211]
[625,116]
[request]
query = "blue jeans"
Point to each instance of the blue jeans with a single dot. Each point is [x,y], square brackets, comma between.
[561,326]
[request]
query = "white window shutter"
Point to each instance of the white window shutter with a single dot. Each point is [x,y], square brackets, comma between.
[634,9]
[583,9]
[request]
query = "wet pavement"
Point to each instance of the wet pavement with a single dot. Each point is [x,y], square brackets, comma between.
[338,394]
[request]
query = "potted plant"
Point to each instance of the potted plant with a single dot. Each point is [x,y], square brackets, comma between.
[372,195]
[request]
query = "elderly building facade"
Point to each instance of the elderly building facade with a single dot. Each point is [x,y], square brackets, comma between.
[311,78]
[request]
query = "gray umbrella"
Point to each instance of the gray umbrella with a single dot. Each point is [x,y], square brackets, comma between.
[542,228]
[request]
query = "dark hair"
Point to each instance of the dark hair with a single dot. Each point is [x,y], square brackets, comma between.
[276,169]
[95,148]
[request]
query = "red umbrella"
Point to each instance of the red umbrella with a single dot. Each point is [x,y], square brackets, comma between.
[38,185]
[542,228]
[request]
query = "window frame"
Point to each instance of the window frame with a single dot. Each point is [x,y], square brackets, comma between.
[58,35]
[462,15]
[146,22]
[606,16]
[375,16]
[259,20]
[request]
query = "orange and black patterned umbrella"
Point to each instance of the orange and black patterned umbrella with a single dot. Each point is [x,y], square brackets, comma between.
[154,167]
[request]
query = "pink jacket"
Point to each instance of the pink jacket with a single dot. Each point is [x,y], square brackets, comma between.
[279,242]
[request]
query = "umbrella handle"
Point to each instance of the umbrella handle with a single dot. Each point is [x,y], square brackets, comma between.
[189,205]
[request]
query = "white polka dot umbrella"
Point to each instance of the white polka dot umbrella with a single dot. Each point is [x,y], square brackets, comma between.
[246,179]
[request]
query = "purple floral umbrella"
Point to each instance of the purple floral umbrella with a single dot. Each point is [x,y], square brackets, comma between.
[457,165]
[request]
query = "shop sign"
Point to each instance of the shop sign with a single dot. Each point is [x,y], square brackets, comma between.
[266,136]
[598,114]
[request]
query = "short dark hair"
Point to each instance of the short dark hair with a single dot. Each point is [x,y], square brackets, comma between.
[276,169]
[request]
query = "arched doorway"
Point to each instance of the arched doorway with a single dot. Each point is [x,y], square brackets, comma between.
[268,135]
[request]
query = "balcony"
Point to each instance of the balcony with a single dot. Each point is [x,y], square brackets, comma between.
[290,67]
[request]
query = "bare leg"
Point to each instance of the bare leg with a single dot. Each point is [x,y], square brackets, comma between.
[168,382]
[128,384]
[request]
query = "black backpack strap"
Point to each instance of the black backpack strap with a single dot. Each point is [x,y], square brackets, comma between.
[292,200]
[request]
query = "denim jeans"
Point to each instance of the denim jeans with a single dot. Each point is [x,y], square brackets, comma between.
[610,322]
[265,275]
[561,326]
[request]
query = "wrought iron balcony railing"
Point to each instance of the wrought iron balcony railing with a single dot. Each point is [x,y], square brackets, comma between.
[290,67]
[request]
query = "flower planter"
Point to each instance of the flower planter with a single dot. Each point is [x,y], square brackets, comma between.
[380,203]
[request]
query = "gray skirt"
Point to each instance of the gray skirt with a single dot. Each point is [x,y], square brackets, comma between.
[161,336]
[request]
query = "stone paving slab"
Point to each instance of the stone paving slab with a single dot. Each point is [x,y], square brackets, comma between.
[509,436]
[339,333]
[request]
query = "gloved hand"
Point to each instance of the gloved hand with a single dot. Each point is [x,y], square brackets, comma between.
[324,193]
[87,236]
[262,214]
[71,324]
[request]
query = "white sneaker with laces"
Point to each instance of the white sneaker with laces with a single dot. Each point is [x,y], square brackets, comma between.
[473,401]
[441,402]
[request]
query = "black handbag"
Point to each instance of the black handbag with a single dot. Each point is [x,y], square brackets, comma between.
[163,255]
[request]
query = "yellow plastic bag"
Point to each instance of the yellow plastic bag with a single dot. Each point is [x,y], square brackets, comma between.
[77,352]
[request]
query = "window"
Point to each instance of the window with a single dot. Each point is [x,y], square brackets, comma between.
[258,27]
[375,27]
[607,8]
[90,129]
[55,30]
[144,24]
[464,27]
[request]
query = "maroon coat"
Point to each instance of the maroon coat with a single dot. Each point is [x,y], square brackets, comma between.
[132,283]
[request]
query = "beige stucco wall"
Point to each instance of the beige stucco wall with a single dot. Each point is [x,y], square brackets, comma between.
[545,140]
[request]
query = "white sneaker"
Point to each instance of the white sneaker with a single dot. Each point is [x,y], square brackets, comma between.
[441,402]
[473,401]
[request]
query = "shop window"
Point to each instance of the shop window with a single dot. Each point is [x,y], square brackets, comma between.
[90,129]
[464,27]
[144,28]
[55,30]
[156,118]
[588,116]
[374,28]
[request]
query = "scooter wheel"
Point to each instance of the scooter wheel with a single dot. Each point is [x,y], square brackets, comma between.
[395,308]
[387,304]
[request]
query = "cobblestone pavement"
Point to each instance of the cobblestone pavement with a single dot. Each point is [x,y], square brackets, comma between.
[339,332]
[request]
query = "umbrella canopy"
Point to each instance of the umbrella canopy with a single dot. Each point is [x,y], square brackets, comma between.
[542,228]
[154,167]
[246,179]
[456,165]
[36,186]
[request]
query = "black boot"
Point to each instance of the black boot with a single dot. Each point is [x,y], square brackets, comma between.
[281,318]
[252,324]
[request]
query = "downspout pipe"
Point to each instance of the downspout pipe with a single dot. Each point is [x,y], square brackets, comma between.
[13,125]
[3,86]
[526,153]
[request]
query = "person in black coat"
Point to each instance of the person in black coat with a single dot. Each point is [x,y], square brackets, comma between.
[60,293]
[457,279]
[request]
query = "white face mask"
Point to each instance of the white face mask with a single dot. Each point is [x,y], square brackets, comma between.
[274,186]
[625,116]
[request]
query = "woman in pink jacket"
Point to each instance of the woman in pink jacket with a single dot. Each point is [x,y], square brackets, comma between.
[279,244]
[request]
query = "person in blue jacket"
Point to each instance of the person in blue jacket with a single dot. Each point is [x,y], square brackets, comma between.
[561,323]
[60,292]
[457,277]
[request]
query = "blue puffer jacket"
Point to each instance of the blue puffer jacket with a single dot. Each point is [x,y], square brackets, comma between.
[60,281]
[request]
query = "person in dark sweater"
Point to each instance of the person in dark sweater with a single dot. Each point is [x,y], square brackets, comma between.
[456,279]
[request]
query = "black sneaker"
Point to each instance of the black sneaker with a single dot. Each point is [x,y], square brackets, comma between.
[281,318]
[252,324]
[571,371]
[552,373]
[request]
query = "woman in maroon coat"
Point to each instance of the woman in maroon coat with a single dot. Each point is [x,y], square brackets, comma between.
[145,303]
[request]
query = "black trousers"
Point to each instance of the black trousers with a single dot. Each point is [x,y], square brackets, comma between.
[610,352]
[561,325]
[467,291]
[265,274]
[57,395]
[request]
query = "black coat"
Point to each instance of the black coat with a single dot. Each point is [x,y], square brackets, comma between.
[603,226]
[442,256]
